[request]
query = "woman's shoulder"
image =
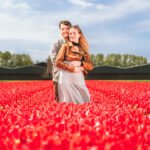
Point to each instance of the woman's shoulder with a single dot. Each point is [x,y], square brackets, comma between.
[65,46]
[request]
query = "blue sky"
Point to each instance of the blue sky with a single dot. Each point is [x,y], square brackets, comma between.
[112,26]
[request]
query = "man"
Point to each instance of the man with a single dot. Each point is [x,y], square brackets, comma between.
[64,27]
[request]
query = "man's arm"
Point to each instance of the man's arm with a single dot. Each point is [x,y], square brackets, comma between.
[53,51]
[55,47]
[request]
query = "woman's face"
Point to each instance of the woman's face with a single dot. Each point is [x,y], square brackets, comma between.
[74,35]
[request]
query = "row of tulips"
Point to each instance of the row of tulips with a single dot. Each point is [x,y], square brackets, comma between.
[117,118]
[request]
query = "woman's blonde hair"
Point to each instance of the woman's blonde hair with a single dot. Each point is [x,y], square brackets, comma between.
[82,40]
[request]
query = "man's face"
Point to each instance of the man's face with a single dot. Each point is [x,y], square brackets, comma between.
[64,30]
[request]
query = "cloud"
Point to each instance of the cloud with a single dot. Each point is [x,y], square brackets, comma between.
[124,8]
[99,13]
[22,27]
[36,49]
[43,26]
[143,26]
[12,4]
[82,3]
[32,27]
[109,38]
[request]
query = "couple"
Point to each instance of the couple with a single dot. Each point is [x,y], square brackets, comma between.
[71,61]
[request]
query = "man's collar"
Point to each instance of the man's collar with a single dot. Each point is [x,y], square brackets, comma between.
[65,40]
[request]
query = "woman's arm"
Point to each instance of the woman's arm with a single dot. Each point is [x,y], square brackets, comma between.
[61,58]
[87,63]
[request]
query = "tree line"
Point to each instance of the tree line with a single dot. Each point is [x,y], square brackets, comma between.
[10,60]
[118,60]
[13,60]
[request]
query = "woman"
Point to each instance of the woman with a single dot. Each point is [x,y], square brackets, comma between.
[73,59]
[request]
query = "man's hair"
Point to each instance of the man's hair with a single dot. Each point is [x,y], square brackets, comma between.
[65,22]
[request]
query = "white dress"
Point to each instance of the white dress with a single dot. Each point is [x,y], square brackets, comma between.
[72,87]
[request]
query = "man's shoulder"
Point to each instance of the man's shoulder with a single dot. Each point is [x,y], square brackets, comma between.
[59,41]
[57,44]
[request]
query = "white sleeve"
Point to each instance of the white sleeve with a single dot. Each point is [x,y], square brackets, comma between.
[53,51]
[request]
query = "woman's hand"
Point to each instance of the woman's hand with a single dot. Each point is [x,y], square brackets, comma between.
[75,63]
[81,68]
[78,69]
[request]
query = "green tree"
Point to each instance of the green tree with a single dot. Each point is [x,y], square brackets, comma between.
[92,57]
[6,56]
[14,60]
[26,59]
[109,60]
[117,60]
[125,59]
[99,59]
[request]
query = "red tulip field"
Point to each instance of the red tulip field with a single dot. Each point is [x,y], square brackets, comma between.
[117,118]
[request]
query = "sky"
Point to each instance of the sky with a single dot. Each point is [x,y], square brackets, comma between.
[110,26]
